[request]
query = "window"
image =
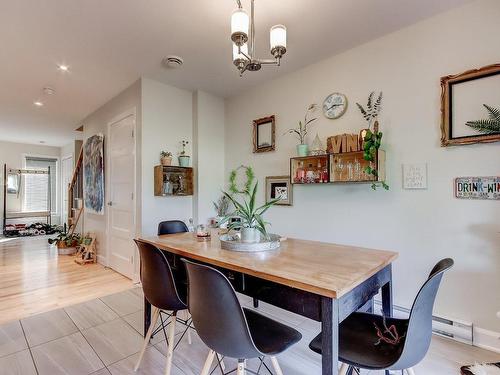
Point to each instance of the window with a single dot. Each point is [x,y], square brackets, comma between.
[36,186]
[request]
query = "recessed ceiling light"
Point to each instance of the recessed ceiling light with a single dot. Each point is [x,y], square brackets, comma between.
[63,67]
[49,91]
[172,62]
[38,103]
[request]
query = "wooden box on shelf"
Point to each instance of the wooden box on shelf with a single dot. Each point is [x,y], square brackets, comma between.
[309,169]
[344,167]
[173,181]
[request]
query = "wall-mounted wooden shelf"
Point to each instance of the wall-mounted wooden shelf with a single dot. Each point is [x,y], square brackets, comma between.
[173,181]
[341,168]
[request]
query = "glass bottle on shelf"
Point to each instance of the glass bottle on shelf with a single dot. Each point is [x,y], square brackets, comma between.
[350,172]
[324,173]
[300,173]
[357,169]
[318,173]
[310,174]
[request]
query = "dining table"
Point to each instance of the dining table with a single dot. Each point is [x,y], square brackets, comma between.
[322,281]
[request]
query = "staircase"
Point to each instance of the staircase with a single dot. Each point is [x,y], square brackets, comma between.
[75,193]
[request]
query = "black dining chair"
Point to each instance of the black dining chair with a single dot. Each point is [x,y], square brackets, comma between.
[361,346]
[161,291]
[227,328]
[172,227]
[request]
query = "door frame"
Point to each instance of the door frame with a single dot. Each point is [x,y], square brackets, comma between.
[64,215]
[114,120]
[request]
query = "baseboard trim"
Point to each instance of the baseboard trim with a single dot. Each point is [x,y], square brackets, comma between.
[102,260]
[486,339]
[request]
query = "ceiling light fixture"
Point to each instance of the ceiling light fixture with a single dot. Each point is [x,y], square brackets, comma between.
[63,67]
[38,103]
[48,90]
[172,62]
[243,37]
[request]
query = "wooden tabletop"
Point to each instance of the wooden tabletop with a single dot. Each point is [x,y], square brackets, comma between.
[323,268]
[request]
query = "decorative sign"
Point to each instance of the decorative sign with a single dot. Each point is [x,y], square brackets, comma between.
[343,143]
[415,176]
[477,187]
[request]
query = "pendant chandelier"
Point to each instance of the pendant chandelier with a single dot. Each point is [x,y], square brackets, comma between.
[243,37]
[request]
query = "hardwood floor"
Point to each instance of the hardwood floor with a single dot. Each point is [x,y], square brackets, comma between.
[34,279]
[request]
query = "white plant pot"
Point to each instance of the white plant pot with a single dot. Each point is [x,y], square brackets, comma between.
[250,235]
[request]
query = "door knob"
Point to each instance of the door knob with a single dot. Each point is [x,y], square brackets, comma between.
[110,203]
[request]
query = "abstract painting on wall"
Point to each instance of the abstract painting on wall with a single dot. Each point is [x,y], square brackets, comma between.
[93,174]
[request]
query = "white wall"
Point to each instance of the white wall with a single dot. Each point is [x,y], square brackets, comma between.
[423,226]
[96,123]
[166,120]
[208,141]
[13,155]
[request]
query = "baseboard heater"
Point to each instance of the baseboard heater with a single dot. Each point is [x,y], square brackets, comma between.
[452,329]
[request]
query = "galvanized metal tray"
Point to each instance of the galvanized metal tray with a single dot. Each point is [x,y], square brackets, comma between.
[233,242]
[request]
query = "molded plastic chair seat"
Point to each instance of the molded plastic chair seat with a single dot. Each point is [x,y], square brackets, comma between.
[172,227]
[269,336]
[357,338]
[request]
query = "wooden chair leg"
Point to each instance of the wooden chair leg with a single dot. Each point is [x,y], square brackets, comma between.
[240,370]
[276,366]
[343,369]
[208,363]
[410,371]
[171,342]
[154,320]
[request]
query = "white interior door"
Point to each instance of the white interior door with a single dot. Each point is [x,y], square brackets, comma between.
[66,175]
[121,199]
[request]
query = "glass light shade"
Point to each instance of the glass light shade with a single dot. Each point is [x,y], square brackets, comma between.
[277,36]
[239,22]
[239,56]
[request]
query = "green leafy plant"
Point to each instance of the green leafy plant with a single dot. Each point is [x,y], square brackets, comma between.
[65,238]
[372,139]
[487,126]
[371,144]
[244,202]
[165,154]
[301,131]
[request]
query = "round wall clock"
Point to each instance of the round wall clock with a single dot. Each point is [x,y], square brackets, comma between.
[334,105]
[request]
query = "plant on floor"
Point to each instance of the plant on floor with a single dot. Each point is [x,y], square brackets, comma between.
[372,139]
[66,238]
[243,200]
[222,206]
[490,125]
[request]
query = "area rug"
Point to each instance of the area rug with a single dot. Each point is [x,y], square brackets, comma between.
[481,369]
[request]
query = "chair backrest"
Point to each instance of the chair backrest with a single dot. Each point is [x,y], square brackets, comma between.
[217,314]
[171,227]
[157,279]
[419,334]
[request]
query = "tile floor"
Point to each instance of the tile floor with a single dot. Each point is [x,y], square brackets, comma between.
[103,336]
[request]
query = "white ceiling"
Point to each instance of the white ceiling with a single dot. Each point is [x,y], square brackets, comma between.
[108,44]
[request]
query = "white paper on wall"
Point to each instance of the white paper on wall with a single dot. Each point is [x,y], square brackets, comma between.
[415,176]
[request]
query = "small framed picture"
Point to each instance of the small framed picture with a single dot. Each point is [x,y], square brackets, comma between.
[264,134]
[279,186]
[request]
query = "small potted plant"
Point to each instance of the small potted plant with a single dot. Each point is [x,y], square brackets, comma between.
[301,131]
[66,242]
[183,158]
[251,221]
[222,209]
[166,158]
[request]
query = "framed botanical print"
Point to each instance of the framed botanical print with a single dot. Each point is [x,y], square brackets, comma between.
[264,130]
[470,106]
[279,187]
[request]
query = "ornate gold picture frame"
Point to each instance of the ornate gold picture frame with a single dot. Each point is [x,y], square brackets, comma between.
[264,134]
[460,89]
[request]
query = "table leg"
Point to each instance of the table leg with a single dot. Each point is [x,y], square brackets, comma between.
[147,316]
[330,339]
[387,295]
